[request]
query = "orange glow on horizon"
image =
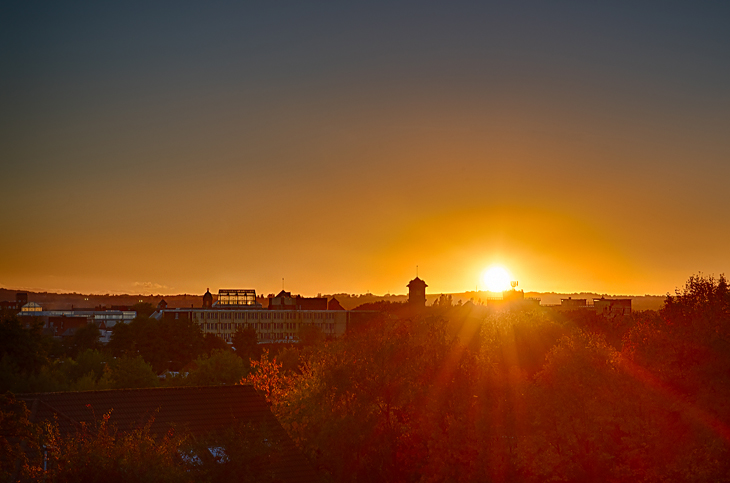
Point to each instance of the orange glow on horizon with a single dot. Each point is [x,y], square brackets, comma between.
[496,279]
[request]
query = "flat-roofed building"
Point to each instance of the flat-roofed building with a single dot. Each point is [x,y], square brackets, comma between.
[512,298]
[612,307]
[280,322]
[63,323]
[571,303]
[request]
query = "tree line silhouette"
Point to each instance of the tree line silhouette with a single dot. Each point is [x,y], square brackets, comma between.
[459,393]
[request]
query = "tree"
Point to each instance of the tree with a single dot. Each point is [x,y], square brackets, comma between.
[242,453]
[24,347]
[369,406]
[129,372]
[310,334]
[267,377]
[581,411]
[518,340]
[220,367]
[167,344]
[24,357]
[18,440]
[180,341]
[614,329]
[84,338]
[688,344]
[290,359]
[99,453]
[123,339]
[143,309]
[385,306]
[444,301]
[85,372]
[90,362]
[212,343]
[683,354]
[245,341]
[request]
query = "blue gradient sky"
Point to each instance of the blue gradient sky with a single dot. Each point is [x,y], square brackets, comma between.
[174,146]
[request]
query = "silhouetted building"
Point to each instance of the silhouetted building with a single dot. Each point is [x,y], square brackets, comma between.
[285,301]
[333,304]
[513,298]
[207,299]
[513,295]
[21,299]
[281,322]
[417,292]
[571,303]
[612,307]
[63,323]
[9,306]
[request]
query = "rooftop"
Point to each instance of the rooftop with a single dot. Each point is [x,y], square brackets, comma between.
[198,410]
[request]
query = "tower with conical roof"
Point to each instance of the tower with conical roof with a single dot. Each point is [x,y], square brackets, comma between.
[417,293]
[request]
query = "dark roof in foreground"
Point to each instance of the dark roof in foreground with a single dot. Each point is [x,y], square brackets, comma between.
[198,410]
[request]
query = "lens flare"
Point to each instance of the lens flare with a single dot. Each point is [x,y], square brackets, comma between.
[496,279]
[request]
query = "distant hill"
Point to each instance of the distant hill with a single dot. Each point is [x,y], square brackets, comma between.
[56,301]
[62,301]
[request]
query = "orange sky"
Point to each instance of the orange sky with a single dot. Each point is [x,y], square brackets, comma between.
[585,149]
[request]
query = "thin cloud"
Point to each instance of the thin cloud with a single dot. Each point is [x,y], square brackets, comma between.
[150,286]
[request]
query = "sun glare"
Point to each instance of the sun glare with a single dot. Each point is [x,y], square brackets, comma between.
[496,279]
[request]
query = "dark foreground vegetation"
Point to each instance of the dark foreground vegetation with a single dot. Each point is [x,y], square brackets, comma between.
[100,453]
[457,393]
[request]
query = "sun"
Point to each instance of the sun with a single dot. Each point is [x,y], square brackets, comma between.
[496,279]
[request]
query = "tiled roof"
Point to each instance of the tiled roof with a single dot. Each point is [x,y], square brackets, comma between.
[198,410]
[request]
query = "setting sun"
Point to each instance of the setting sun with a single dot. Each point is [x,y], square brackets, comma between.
[496,279]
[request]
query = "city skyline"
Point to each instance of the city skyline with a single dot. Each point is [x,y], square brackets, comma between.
[166,149]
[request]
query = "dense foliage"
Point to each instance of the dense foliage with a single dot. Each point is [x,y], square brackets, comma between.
[462,393]
[547,396]
[140,354]
[100,453]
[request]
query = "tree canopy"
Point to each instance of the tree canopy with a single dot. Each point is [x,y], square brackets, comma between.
[455,393]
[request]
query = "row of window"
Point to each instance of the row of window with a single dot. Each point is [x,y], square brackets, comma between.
[263,315]
[271,336]
[329,327]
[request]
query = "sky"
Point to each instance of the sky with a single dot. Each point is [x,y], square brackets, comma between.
[169,147]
